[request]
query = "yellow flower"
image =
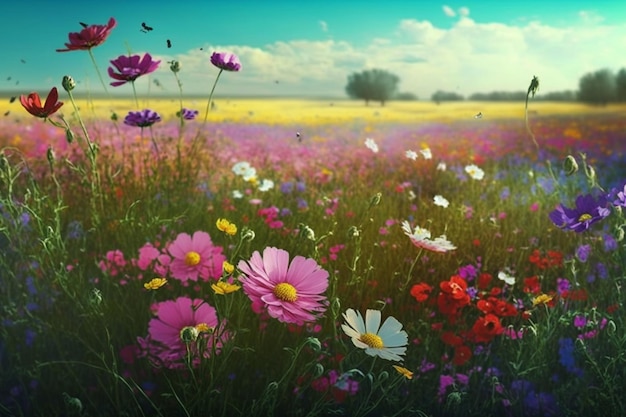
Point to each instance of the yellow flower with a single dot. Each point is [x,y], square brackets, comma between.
[223,288]
[155,284]
[228,267]
[226,227]
[403,371]
[204,328]
[542,299]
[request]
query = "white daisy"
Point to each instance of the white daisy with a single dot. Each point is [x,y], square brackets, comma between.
[475,172]
[441,201]
[266,185]
[426,153]
[240,168]
[371,145]
[237,194]
[421,238]
[388,341]
[441,166]
[411,155]
[504,276]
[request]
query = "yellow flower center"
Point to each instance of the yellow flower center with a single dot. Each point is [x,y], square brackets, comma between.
[372,340]
[286,292]
[584,217]
[192,258]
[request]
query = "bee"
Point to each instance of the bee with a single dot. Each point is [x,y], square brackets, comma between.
[12,99]
[169,43]
[479,115]
[7,112]
[83,24]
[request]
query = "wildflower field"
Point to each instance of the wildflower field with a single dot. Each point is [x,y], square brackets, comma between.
[185,261]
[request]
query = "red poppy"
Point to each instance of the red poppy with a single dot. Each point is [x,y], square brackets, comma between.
[451,339]
[504,309]
[486,328]
[531,285]
[90,36]
[486,306]
[421,291]
[484,280]
[32,103]
[462,354]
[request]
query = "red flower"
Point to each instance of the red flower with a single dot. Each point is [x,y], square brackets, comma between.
[486,328]
[531,285]
[486,306]
[451,339]
[32,103]
[90,36]
[462,354]
[453,297]
[504,309]
[421,291]
[484,280]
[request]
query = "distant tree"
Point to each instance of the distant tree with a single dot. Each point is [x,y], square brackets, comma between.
[566,95]
[406,97]
[499,96]
[597,87]
[440,96]
[620,82]
[374,84]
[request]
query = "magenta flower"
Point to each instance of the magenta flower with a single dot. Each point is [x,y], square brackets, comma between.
[182,326]
[142,118]
[291,292]
[187,114]
[90,36]
[129,68]
[195,257]
[226,61]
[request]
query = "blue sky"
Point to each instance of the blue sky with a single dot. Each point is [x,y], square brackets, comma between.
[311,47]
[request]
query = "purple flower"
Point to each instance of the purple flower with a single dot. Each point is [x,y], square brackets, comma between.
[226,61]
[129,68]
[583,252]
[610,244]
[620,197]
[142,118]
[580,321]
[562,285]
[588,210]
[188,114]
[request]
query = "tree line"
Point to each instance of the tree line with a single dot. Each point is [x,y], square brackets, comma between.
[600,87]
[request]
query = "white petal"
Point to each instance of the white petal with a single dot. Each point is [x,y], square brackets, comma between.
[372,321]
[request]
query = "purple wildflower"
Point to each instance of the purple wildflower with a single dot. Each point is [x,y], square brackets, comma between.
[620,197]
[562,285]
[588,210]
[188,114]
[583,252]
[142,118]
[226,61]
[129,68]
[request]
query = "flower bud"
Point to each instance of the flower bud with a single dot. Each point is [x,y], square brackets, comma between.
[248,234]
[189,334]
[50,157]
[174,66]
[68,83]
[354,232]
[570,166]
[315,343]
[374,201]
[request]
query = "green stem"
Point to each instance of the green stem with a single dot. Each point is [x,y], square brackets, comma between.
[135,95]
[93,60]
[208,105]
[409,275]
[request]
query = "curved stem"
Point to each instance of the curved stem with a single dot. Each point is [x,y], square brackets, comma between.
[208,105]
[135,94]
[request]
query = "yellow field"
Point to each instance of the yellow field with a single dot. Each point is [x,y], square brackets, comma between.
[310,112]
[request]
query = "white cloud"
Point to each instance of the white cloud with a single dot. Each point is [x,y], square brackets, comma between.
[464,11]
[466,58]
[448,11]
[590,16]
[323,26]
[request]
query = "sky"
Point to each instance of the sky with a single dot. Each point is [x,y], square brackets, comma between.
[309,48]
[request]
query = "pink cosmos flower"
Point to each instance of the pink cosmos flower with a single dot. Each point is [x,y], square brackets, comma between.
[290,292]
[180,326]
[90,36]
[195,257]
[129,68]
[421,238]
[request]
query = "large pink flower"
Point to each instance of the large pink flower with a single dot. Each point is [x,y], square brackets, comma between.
[90,36]
[178,325]
[291,293]
[195,257]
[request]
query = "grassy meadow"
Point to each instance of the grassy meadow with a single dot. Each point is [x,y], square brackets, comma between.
[243,266]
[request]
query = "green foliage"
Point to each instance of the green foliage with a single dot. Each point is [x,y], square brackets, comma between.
[598,87]
[374,84]
[441,96]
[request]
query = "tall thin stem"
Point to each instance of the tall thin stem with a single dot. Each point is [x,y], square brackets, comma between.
[208,105]
[135,94]
[93,60]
